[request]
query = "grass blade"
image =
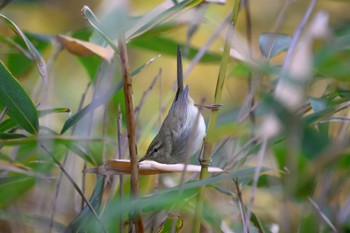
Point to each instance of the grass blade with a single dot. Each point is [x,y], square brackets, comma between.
[20,107]
[39,61]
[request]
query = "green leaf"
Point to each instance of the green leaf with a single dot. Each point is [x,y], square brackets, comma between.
[6,136]
[143,24]
[39,61]
[272,44]
[92,19]
[7,125]
[85,222]
[259,224]
[77,150]
[22,62]
[33,140]
[45,112]
[240,69]
[169,197]
[155,17]
[14,187]
[166,46]
[90,107]
[20,107]
[166,226]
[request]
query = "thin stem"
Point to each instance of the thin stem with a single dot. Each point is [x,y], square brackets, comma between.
[240,202]
[130,119]
[145,94]
[75,185]
[295,39]
[255,184]
[208,145]
[322,215]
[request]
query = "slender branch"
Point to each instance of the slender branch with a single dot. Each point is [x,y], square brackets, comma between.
[240,202]
[255,183]
[323,216]
[75,185]
[205,48]
[295,39]
[145,94]
[208,145]
[130,119]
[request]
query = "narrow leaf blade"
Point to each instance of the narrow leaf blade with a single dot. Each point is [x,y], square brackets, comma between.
[20,107]
[39,61]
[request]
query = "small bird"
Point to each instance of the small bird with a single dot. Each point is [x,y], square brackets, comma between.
[183,129]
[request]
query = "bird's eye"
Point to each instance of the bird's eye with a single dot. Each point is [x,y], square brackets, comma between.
[155,150]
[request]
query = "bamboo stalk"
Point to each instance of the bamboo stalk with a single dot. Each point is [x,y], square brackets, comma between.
[130,119]
[208,145]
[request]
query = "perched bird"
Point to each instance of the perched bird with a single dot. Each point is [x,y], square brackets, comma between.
[183,129]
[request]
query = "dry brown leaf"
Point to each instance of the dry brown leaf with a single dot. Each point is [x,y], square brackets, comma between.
[84,48]
[147,167]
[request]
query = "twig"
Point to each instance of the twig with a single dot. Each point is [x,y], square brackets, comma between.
[281,15]
[295,39]
[119,154]
[131,129]
[205,161]
[160,96]
[242,149]
[75,185]
[240,202]
[323,216]
[255,183]
[204,48]
[145,94]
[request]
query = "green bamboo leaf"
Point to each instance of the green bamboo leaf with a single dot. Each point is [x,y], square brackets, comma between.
[84,221]
[156,16]
[143,24]
[45,112]
[15,187]
[90,107]
[166,46]
[272,44]
[6,136]
[166,226]
[77,150]
[32,140]
[20,107]
[7,125]
[170,197]
[39,61]
[92,19]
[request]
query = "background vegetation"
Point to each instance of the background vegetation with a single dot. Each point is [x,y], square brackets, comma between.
[282,133]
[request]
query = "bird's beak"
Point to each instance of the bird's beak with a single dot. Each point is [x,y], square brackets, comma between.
[142,159]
